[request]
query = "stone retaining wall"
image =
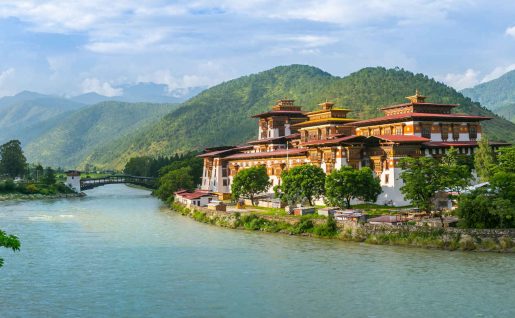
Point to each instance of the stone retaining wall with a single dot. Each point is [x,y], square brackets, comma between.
[499,240]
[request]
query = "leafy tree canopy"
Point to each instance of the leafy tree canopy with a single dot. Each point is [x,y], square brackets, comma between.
[249,182]
[8,241]
[484,160]
[12,160]
[174,180]
[347,183]
[422,177]
[302,182]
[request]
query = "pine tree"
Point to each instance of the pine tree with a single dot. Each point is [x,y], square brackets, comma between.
[484,160]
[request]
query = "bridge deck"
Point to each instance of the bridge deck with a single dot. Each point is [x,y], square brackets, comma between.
[90,183]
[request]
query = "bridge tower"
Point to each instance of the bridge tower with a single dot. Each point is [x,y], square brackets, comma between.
[73,180]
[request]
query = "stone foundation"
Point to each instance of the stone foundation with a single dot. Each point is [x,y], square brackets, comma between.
[498,240]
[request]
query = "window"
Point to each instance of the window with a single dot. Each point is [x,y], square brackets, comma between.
[445,132]
[426,132]
[472,132]
[398,130]
[386,178]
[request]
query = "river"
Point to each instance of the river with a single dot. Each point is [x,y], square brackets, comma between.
[119,253]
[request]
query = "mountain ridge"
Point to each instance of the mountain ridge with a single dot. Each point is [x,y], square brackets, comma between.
[221,114]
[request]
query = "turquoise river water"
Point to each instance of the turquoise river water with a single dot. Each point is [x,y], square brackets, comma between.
[119,253]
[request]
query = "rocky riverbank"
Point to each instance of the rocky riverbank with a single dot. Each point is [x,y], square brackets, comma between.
[36,196]
[489,240]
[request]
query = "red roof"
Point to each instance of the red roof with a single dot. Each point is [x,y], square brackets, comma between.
[292,113]
[425,104]
[401,138]
[195,194]
[448,144]
[451,117]
[278,153]
[219,153]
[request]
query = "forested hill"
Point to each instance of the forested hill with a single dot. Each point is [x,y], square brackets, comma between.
[221,114]
[75,135]
[27,113]
[496,93]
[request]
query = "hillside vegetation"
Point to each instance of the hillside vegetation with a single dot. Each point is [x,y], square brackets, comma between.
[221,114]
[75,135]
[27,114]
[496,93]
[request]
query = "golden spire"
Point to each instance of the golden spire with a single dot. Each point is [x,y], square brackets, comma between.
[417,98]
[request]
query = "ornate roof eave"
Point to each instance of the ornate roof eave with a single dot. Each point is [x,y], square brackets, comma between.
[324,121]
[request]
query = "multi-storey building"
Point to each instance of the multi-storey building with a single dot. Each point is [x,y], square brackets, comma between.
[289,137]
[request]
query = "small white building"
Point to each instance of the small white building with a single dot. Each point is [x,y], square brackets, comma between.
[73,180]
[196,198]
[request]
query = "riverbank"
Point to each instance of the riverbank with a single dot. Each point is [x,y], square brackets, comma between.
[36,196]
[494,240]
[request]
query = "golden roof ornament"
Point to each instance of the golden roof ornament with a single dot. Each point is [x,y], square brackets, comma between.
[417,98]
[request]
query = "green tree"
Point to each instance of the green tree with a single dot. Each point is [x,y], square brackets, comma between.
[39,172]
[484,160]
[8,241]
[456,174]
[249,182]
[481,209]
[12,160]
[173,181]
[302,182]
[49,176]
[506,159]
[347,183]
[422,177]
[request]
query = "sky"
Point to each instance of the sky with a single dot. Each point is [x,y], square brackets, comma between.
[69,47]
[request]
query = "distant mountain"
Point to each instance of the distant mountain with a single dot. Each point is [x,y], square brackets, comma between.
[497,95]
[90,98]
[75,135]
[24,114]
[494,94]
[221,114]
[507,111]
[142,92]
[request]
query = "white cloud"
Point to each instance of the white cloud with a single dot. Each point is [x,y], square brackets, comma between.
[347,12]
[510,31]
[498,72]
[94,85]
[5,77]
[461,81]
[212,73]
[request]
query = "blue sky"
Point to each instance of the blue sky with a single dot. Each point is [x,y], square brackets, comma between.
[69,47]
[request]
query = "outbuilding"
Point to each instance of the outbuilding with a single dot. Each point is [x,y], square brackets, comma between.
[195,198]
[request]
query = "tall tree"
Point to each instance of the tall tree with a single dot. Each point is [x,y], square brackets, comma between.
[422,177]
[249,182]
[347,183]
[506,159]
[8,241]
[484,160]
[173,181]
[302,182]
[456,175]
[49,176]
[12,160]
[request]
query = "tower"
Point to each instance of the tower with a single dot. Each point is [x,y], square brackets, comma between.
[73,180]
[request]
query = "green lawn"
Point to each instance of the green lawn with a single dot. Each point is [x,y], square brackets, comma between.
[280,212]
